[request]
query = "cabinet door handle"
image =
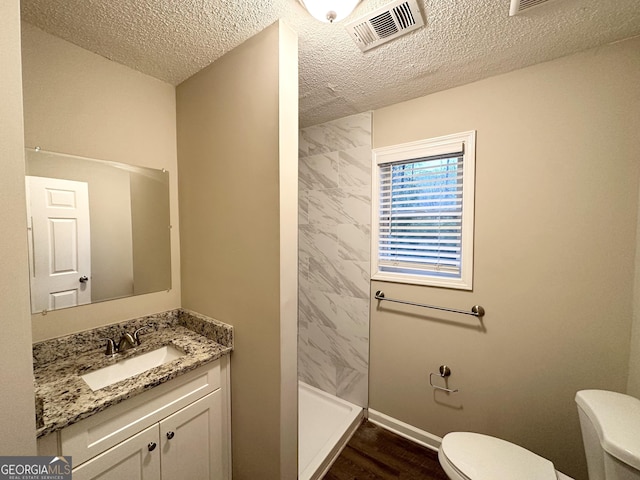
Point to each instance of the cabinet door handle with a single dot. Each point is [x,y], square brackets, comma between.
[170,435]
[152,446]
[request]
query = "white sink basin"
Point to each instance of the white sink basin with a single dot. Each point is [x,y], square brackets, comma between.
[130,367]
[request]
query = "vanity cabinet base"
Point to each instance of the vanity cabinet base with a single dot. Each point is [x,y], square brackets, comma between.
[180,429]
[185,445]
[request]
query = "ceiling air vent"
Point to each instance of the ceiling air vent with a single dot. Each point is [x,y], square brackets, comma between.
[519,6]
[385,24]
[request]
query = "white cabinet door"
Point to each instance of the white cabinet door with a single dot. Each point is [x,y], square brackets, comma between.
[137,458]
[191,441]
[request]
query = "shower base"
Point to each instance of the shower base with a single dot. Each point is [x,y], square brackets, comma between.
[325,425]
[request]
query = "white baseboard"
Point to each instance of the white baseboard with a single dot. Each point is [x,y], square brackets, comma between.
[405,430]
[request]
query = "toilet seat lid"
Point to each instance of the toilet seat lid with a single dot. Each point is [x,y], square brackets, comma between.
[481,457]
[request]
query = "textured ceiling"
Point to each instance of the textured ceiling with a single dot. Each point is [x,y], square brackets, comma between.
[463,41]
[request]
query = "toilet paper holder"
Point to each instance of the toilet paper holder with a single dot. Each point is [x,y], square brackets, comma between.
[444,373]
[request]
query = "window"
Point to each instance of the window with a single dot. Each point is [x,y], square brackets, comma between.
[423,203]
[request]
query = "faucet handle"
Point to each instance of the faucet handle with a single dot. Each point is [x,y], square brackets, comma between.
[111,346]
[136,334]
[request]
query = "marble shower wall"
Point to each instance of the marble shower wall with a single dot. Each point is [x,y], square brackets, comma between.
[334,245]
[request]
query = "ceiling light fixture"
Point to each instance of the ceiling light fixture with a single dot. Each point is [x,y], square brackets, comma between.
[330,10]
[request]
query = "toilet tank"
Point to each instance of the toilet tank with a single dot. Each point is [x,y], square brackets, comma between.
[610,424]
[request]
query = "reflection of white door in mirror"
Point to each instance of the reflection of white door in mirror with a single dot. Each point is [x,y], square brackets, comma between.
[59,240]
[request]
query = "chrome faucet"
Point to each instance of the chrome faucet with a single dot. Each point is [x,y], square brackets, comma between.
[126,341]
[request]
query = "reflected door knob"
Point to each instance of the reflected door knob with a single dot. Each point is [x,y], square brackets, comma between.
[84,279]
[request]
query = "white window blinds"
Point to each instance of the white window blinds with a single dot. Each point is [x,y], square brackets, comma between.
[421,215]
[422,209]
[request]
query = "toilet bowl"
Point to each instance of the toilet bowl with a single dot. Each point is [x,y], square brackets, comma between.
[474,456]
[610,424]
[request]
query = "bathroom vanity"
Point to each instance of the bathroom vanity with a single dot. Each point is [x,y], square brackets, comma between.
[169,421]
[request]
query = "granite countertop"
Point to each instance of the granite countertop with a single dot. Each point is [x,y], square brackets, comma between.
[63,397]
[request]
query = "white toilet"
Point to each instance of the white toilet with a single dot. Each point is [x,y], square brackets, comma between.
[610,424]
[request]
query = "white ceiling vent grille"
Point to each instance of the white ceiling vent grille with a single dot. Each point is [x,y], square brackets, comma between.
[385,24]
[519,6]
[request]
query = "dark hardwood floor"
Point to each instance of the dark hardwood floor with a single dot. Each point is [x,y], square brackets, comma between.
[375,453]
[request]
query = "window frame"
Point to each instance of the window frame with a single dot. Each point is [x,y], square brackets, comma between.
[413,151]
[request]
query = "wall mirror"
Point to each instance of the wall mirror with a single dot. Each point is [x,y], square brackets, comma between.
[97,230]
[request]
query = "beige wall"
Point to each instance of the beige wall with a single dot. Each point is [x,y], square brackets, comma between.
[237,148]
[151,234]
[633,387]
[288,240]
[17,415]
[79,103]
[555,239]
